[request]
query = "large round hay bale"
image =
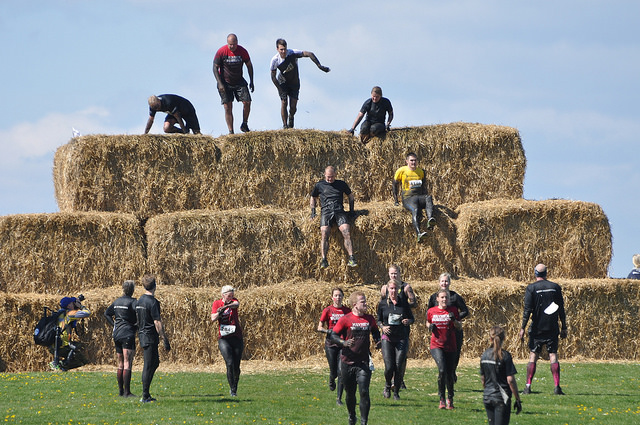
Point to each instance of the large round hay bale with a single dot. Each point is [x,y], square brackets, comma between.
[69,252]
[509,237]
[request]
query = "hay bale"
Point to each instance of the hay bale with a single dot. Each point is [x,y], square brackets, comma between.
[139,174]
[151,174]
[63,252]
[509,237]
[280,321]
[260,247]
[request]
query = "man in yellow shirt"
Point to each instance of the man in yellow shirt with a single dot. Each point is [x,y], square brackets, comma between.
[68,353]
[411,179]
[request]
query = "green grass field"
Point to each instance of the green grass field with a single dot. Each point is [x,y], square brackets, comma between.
[597,393]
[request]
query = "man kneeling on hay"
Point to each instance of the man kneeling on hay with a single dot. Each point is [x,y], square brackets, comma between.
[331,193]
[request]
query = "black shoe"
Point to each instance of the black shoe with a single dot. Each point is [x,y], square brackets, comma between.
[290,124]
[324,263]
[233,393]
[527,390]
[352,420]
[386,393]
[403,386]
[558,391]
[430,223]
[396,396]
[147,399]
[244,128]
[352,262]
[129,395]
[339,402]
[332,385]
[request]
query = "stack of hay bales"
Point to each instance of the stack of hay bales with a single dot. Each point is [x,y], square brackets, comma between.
[202,212]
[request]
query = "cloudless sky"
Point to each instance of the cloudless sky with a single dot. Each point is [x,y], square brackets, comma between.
[565,74]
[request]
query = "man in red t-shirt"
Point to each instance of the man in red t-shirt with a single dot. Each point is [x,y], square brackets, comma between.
[352,333]
[227,69]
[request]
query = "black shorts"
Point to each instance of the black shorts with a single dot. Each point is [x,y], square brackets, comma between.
[241,93]
[287,90]
[536,344]
[190,122]
[128,343]
[329,218]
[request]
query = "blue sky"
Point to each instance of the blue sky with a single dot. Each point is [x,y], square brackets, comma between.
[565,74]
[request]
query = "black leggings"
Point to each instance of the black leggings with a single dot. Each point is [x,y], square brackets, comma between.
[446,364]
[358,375]
[151,363]
[415,204]
[231,350]
[333,357]
[498,413]
[395,361]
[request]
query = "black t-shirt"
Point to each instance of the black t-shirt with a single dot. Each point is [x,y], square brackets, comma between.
[289,70]
[543,301]
[124,312]
[331,194]
[390,314]
[376,111]
[495,374]
[147,312]
[172,103]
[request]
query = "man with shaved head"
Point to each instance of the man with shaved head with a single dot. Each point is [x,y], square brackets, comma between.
[544,303]
[331,194]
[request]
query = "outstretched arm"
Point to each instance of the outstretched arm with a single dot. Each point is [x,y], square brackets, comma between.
[149,124]
[315,60]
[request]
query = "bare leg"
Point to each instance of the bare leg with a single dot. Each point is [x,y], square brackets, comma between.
[347,238]
[228,116]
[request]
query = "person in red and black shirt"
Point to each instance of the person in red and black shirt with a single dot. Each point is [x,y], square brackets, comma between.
[227,69]
[442,321]
[230,341]
[353,332]
[329,317]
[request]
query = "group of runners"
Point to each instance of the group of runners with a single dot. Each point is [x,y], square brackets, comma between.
[350,331]
[228,69]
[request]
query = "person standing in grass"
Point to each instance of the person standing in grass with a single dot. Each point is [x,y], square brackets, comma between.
[331,194]
[442,320]
[287,80]
[497,372]
[121,315]
[230,341]
[394,318]
[412,180]
[150,330]
[227,69]
[444,282]
[328,319]
[353,332]
[543,302]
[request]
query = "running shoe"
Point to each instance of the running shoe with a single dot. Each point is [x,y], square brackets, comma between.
[352,262]
[442,405]
[430,223]
[339,402]
[352,420]
[396,396]
[421,235]
[386,392]
[324,263]
[332,385]
[558,391]
[527,390]
[147,399]
[232,393]
[403,386]
[244,128]
[54,366]
[450,404]
[290,124]
[129,395]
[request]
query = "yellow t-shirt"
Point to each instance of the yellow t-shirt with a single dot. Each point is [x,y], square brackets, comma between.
[411,181]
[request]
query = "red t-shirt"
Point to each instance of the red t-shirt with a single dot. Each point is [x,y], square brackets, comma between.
[228,322]
[359,328]
[332,314]
[444,336]
[230,64]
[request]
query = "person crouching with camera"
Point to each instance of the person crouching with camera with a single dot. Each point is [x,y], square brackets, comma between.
[67,353]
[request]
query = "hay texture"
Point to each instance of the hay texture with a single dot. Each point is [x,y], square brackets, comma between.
[280,320]
[149,174]
[63,252]
[509,237]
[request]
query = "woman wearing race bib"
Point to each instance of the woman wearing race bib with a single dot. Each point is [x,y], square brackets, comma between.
[394,319]
[230,342]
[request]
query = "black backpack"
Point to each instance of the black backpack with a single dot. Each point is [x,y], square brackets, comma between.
[45,332]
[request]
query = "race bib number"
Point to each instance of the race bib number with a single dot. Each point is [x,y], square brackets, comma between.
[395,319]
[415,184]
[553,307]
[227,329]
